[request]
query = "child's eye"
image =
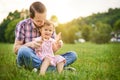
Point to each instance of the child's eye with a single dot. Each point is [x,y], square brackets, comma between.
[45,29]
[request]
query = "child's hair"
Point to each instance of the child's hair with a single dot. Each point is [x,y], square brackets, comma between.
[48,23]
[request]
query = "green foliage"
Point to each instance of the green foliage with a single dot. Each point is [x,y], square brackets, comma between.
[117,26]
[10,31]
[94,62]
[86,30]
[101,33]
[109,17]
[54,18]
[4,25]
[2,29]
[82,25]
[72,31]
[68,32]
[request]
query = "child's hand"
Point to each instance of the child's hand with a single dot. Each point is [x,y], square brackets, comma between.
[58,37]
[59,40]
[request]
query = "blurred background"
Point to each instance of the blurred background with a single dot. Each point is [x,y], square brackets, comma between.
[79,21]
[91,28]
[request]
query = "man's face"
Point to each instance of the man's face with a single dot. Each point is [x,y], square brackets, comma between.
[39,19]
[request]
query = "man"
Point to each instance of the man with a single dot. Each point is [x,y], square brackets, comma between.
[26,31]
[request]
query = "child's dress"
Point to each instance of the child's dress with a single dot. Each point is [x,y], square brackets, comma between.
[46,51]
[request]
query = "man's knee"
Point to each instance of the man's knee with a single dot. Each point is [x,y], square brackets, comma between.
[73,54]
[70,56]
[23,49]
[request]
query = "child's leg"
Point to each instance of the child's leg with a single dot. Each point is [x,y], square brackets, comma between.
[44,66]
[60,66]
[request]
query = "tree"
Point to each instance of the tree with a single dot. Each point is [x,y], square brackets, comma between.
[3,26]
[101,33]
[54,19]
[86,30]
[117,26]
[10,31]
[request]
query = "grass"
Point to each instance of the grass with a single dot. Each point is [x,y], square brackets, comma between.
[94,62]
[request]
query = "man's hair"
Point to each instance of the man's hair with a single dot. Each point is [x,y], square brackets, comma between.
[36,7]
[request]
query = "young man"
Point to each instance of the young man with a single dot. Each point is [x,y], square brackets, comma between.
[26,31]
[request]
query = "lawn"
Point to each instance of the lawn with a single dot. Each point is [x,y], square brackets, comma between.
[94,62]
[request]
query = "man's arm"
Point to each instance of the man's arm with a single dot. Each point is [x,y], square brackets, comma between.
[17,45]
[32,44]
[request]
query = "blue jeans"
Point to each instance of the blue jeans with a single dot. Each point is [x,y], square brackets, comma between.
[27,57]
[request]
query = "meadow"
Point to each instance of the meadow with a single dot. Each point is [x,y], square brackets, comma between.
[94,62]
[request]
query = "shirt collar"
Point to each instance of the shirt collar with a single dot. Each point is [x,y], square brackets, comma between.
[32,24]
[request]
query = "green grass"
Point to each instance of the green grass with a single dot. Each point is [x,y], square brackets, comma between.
[95,62]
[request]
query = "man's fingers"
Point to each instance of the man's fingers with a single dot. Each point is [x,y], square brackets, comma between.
[37,44]
[39,40]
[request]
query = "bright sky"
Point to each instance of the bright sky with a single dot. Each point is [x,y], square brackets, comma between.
[65,10]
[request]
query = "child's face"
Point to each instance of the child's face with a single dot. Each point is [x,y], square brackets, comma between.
[47,31]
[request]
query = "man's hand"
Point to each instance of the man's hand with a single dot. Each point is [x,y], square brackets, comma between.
[36,43]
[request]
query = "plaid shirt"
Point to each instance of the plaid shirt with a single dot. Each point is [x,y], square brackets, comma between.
[26,31]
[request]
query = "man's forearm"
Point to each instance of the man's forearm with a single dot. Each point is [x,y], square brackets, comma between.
[16,47]
[29,44]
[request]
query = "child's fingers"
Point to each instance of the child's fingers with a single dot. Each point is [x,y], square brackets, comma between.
[58,36]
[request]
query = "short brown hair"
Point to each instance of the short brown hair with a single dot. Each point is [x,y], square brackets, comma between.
[48,23]
[36,7]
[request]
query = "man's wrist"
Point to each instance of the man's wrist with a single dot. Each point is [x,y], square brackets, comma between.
[29,44]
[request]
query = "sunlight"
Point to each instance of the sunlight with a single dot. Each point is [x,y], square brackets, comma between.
[65,11]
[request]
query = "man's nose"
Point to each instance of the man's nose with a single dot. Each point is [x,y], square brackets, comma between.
[42,23]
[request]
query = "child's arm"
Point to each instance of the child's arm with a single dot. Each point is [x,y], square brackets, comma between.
[58,42]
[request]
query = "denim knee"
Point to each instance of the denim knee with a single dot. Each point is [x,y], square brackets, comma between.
[27,57]
[23,49]
[73,54]
[70,57]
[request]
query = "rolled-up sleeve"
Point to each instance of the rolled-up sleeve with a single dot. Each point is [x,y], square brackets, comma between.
[20,32]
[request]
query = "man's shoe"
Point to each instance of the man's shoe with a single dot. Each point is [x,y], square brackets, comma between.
[70,68]
[34,70]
